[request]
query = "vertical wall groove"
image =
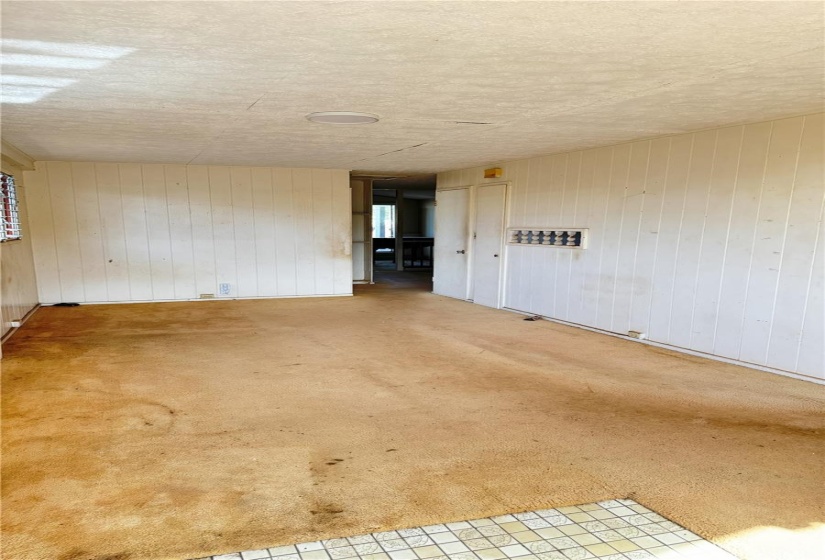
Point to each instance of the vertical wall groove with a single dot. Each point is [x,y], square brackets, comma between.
[785,237]
[810,291]
[702,235]
[753,242]
[658,230]
[727,237]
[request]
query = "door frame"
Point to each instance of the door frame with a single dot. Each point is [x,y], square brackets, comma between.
[367,213]
[505,221]
[470,241]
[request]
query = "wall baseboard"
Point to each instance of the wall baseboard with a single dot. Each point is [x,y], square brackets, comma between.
[217,298]
[791,374]
[25,318]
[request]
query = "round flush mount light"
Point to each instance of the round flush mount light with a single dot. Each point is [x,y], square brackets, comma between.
[342,117]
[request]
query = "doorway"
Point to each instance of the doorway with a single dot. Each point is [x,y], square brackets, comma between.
[403,231]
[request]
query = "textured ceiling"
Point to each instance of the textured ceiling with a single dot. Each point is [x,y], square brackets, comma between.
[456,84]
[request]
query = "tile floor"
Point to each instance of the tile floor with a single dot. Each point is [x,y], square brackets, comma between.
[610,530]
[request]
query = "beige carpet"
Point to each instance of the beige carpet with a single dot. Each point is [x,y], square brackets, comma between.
[177,430]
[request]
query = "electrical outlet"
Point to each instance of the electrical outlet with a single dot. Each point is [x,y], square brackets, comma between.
[225,289]
[207,296]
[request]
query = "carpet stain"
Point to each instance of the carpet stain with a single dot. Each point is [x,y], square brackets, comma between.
[326,509]
[83,555]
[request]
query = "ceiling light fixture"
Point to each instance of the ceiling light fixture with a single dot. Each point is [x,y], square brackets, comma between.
[342,117]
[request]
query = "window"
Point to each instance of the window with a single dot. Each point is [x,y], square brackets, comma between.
[10,213]
[383,221]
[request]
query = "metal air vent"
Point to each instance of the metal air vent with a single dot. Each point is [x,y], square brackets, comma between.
[548,237]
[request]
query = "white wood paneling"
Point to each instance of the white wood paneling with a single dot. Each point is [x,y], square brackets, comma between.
[628,280]
[777,189]
[286,246]
[89,231]
[607,281]
[711,241]
[691,231]
[323,238]
[67,243]
[133,202]
[114,236]
[181,233]
[43,243]
[105,232]
[566,264]
[223,228]
[243,228]
[161,268]
[584,208]
[714,238]
[203,247]
[740,238]
[304,231]
[263,216]
[803,255]
[647,247]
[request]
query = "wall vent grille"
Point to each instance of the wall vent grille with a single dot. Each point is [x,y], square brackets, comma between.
[547,237]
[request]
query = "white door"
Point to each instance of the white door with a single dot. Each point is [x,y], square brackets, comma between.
[488,247]
[452,220]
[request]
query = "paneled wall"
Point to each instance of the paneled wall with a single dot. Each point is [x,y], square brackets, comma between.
[711,241]
[106,232]
[18,287]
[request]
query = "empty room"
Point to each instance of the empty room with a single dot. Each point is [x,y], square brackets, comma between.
[412,280]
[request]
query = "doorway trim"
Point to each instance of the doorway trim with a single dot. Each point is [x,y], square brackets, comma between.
[469,245]
[503,248]
[367,233]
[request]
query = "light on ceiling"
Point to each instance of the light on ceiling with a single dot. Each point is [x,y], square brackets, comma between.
[342,117]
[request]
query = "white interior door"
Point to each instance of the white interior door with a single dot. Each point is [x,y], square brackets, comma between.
[488,245]
[452,236]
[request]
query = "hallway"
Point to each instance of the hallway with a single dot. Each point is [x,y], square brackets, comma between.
[420,280]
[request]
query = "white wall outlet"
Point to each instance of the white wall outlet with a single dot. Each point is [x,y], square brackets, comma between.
[14,324]
[225,289]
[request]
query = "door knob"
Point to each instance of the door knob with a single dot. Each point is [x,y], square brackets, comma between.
[461,252]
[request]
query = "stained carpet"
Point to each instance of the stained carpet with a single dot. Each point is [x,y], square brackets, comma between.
[182,430]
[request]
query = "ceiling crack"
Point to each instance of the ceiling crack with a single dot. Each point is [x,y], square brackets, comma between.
[256,102]
[392,152]
[224,129]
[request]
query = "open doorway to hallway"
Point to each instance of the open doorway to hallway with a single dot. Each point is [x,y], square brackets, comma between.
[403,231]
